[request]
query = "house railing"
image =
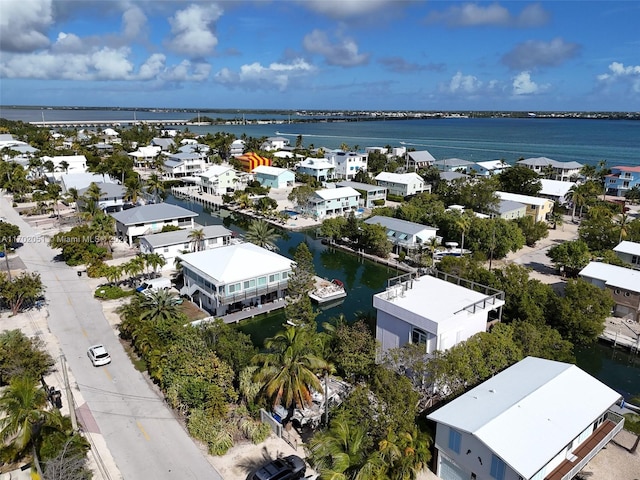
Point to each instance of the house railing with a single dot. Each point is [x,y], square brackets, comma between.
[249,294]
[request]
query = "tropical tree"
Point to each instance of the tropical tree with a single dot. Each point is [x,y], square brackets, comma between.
[103,229]
[159,305]
[21,356]
[463,222]
[196,238]
[622,222]
[262,234]
[155,184]
[19,291]
[288,369]
[134,188]
[155,261]
[301,281]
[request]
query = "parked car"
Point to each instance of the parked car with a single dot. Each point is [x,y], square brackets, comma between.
[154,285]
[98,355]
[286,468]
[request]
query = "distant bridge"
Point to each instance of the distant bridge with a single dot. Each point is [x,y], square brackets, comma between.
[109,123]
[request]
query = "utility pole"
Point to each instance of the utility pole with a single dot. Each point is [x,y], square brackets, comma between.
[67,388]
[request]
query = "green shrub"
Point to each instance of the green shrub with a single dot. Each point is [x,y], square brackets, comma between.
[394,198]
[111,292]
[97,269]
[379,203]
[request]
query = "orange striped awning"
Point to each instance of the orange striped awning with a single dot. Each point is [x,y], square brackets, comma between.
[251,160]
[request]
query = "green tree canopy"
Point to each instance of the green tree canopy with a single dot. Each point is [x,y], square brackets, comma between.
[22,290]
[520,179]
[21,356]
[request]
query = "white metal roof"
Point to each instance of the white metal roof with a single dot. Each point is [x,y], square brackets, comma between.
[154,212]
[234,263]
[632,248]
[613,276]
[215,171]
[529,412]
[402,178]
[555,188]
[335,193]
[182,236]
[526,199]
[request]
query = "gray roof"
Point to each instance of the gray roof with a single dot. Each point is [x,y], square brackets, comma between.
[107,190]
[632,248]
[181,156]
[182,236]
[453,162]
[398,225]
[544,161]
[163,142]
[509,206]
[421,156]
[448,176]
[173,163]
[367,187]
[154,212]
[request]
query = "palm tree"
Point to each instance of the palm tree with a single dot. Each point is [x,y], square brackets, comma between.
[156,185]
[404,455]
[288,369]
[73,195]
[578,197]
[262,234]
[155,261]
[103,229]
[623,223]
[160,305]
[196,238]
[134,188]
[463,222]
[25,418]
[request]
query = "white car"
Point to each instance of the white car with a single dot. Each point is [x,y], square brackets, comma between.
[98,355]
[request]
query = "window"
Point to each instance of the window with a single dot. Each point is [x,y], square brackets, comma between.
[166,249]
[262,281]
[249,284]
[418,337]
[234,288]
[617,291]
[454,440]
[285,275]
[498,468]
[274,277]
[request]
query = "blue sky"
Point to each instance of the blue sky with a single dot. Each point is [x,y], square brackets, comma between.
[322,54]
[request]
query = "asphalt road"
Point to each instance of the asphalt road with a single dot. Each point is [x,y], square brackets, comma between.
[144,438]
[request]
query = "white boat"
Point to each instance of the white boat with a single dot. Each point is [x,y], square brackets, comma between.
[327,291]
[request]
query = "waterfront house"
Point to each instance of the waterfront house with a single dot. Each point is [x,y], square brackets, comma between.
[145,156]
[272,144]
[537,207]
[453,165]
[490,167]
[629,253]
[380,150]
[165,144]
[218,179]
[331,201]
[402,184]
[183,164]
[403,234]
[80,181]
[319,168]
[433,312]
[236,148]
[451,176]
[623,283]
[563,171]
[230,278]
[537,420]
[556,190]
[172,244]
[370,195]
[148,219]
[112,196]
[274,177]
[346,164]
[621,180]
[419,159]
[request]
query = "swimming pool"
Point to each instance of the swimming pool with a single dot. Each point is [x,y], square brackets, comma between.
[291,213]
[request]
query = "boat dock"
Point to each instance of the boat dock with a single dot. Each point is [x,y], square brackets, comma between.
[247,312]
[622,332]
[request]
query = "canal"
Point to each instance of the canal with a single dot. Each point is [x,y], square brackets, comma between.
[362,278]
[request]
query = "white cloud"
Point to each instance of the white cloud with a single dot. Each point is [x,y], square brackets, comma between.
[532,54]
[344,53]
[68,43]
[133,22]
[523,85]
[467,84]
[472,15]
[255,75]
[192,31]
[348,8]
[24,24]
[618,73]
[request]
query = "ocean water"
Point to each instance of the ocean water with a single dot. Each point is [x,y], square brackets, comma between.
[587,141]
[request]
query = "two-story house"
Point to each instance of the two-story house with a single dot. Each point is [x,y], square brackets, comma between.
[489,167]
[185,164]
[563,171]
[319,168]
[419,159]
[621,180]
[145,156]
[112,196]
[403,234]
[433,311]
[453,165]
[217,179]
[147,219]
[556,190]
[274,177]
[370,195]
[629,253]
[402,184]
[228,279]
[274,143]
[172,244]
[525,424]
[623,283]
[346,164]
[332,201]
[537,207]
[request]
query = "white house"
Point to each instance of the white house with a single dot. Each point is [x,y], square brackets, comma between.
[332,201]
[453,165]
[171,244]
[319,168]
[112,196]
[537,207]
[525,423]
[401,184]
[490,167]
[217,179]
[81,180]
[346,164]
[419,159]
[274,143]
[563,171]
[369,194]
[75,163]
[623,283]
[236,148]
[556,190]
[183,164]
[227,279]
[145,156]
[147,219]
[432,312]
[629,253]
[404,234]
[274,177]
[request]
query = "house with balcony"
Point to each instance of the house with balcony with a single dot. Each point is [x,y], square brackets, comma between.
[621,180]
[402,184]
[437,312]
[165,144]
[319,168]
[525,423]
[346,164]
[274,177]
[272,144]
[563,171]
[145,156]
[556,190]
[237,147]
[217,179]
[406,235]
[147,219]
[332,201]
[234,277]
[490,167]
[629,253]
[537,207]
[172,244]
[112,196]
[369,194]
[419,159]
[185,164]
[623,283]
[453,165]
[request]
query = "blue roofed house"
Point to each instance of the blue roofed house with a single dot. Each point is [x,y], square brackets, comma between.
[147,219]
[217,179]
[403,234]
[274,177]
[370,195]
[319,168]
[331,201]
[621,180]
[525,423]
[228,279]
[402,184]
[165,144]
